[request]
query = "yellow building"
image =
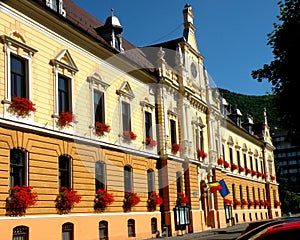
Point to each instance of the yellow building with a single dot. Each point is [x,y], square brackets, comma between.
[84,110]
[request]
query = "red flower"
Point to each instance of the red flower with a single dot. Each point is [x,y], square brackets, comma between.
[244,202]
[241,169]
[220,161]
[248,171]
[236,202]
[201,154]
[65,118]
[153,200]
[131,199]
[150,142]
[66,199]
[226,164]
[176,147]
[101,128]
[273,177]
[277,203]
[234,167]
[103,198]
[19,200]
[251,203]
[129,135]
[21,106]
[258,174]
[253,173]
[227,201]
[264,176]
[182,199]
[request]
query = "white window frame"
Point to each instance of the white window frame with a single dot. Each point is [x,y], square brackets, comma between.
[61,10]
[148,107]
[96,83]
[21,49]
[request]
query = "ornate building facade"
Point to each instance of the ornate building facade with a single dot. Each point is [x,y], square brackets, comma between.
[85,110]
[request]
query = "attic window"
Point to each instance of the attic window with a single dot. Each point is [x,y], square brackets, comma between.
[57,6]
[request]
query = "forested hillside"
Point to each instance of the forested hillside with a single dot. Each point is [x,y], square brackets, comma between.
[253,105]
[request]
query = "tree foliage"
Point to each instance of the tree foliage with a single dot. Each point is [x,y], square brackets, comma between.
[283,71]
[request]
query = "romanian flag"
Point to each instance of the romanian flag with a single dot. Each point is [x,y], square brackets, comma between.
[214,186]
[224,191]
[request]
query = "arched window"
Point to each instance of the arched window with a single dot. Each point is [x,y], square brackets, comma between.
[64,171]
[153,225]
[100,175]
[17,167]
[68,231]
[151,180]
[20,233]
[131,228]
[103,230]
[128,181]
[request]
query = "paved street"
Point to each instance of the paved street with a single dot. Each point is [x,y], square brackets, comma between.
[217,234]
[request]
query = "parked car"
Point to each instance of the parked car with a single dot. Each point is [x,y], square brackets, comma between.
[258,226]
[282,230]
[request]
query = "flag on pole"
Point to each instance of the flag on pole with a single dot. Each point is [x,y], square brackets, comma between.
[214,186]
[224,191]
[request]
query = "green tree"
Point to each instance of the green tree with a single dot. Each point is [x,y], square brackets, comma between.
[283,71]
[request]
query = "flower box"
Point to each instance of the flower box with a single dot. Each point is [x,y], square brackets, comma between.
[66,199]
[101,128]
[201,154]
[248,171]
[21,106]
[234,167]
[153,200]
[258,174]
[129,135]
[64,119]
[272,177]
[150,142]
[241,169]
[277,203]
[244,202]
[226,164]
[253,173]
[181,199]
[130,200]
[227,201]
[20,198]
[176,147]
[102,200]
[264,176]
[220,161]
[236,202]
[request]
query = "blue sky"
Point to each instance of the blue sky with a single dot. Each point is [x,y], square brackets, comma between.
[231,34]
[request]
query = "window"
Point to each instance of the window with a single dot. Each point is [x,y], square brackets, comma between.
[64,94]
[64,173]
[19,77]
[233,191]
[17,63]
[241,192]
[238,157]
[223,152]
[231,156]
[64,70]
[57,6]
[103,230]
[100,175]
[68,231]
[151,181]
[99,110]
[128,181]
[148,125]
[17,167]
[173,131]
[245,160]
[253,192]
[153,225]
[179,181]
[131,228]
[20,233]
[126,116]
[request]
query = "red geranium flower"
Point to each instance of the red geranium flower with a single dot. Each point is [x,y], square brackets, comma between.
[21,106]
[102,199]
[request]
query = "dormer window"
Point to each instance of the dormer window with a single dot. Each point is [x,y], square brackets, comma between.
[57,6]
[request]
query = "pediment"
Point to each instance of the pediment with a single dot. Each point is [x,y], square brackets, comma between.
[65,59]
[126,91]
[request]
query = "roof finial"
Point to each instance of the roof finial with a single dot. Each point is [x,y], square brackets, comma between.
[112,12]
